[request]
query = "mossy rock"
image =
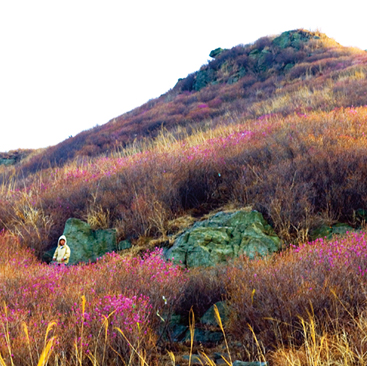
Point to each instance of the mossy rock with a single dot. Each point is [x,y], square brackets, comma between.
[254,53]
[361,214]
[173,327]
[328,232]
[209,317]
[291,39]
[283,41]
[86,244]
[288,66]
[204,336]
[224,236]
[124,244]
[320,232]
[204,78]
[263,62]
[7,162]
[215,53]
[232,79]
[242,72]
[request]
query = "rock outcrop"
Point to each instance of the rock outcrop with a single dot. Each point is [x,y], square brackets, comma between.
[215,53]
[224,236]
[14,156]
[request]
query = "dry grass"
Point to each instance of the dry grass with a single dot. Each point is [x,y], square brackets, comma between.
[290,309]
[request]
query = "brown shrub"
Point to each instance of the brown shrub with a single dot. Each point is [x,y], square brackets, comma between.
[273,296]
[204,288]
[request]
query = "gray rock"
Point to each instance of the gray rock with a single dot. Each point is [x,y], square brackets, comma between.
[124,244]
[209,317]
[7,162]
[215,53]
[204,336]
[224,236]
[87,245]
[172,328]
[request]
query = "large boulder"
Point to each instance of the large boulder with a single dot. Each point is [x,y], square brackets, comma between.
[86,244]
[224,236]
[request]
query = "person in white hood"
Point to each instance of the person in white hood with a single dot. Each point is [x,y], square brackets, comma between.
[62,252]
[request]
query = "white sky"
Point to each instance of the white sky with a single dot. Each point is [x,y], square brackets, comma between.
[68,65]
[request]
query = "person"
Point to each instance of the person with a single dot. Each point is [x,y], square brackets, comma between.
[62,252]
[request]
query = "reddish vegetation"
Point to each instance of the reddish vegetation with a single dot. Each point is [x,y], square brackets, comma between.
[119,292]
[273,296]
[292,306]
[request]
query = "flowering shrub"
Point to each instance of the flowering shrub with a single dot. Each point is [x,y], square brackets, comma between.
[121,298]
[114,315]
[323,278]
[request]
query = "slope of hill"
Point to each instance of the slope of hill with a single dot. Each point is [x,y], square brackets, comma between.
[297,71]
[273,125]
[279,126]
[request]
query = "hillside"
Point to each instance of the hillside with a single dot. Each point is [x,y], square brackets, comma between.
[295,72]
[274,125]
[278,126]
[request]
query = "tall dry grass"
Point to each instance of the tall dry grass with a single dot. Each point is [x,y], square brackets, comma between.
[301,303]
[104,312]
[304,306]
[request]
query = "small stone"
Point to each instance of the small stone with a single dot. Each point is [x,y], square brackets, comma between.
[124,244]
[219,356]
[204,336]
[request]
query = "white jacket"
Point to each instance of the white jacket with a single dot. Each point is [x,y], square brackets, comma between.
[62,251]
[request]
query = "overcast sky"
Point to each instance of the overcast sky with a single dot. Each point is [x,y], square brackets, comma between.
[66,66]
